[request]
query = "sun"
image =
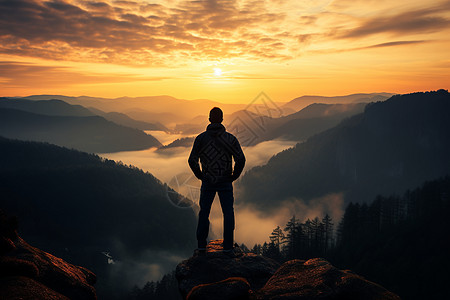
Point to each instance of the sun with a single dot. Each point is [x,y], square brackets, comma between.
[217,72]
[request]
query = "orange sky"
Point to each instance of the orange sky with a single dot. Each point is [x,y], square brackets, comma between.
[284,48]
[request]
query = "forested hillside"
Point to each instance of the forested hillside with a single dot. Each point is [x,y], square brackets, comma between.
[400,242]
[394,145]
[77,205]
[85,133]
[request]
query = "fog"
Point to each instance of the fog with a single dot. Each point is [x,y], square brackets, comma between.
[170,166]
[252,225]
[168,163]
[131,269]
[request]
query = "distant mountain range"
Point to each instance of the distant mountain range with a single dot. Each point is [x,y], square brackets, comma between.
[187,114]
[52,107]
[303,101]
[298,126]
[72,126]
[166,110]
[296,120]
[123,119]
[251,128]
[394,145]
[91,134]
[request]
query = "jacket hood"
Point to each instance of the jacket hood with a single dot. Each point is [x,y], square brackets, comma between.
[215,129]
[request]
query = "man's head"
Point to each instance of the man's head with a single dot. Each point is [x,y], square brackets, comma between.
[216,115]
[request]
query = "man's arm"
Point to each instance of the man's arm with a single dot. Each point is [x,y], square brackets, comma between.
[194,157]
[239,160]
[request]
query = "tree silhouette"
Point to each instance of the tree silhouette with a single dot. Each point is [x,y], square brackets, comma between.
[277,237]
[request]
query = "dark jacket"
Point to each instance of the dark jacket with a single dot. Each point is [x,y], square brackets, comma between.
[215,147]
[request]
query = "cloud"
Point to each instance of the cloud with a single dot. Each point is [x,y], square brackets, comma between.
[411,22]
[382,45]
[254,226]
[130,32]
[132,269]
[173,161]
[393,44]
[19,74]
[139,33]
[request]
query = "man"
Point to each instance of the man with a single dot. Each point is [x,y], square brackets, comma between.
[215,148]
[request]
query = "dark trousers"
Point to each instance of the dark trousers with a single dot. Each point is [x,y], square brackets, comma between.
[207,194]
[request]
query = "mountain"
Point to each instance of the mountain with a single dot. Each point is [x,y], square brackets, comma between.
[303,101]
[78,205]
[91,133]
[147,109]
[50,107]
[123,119]
[394,145]
[301,125]
[54,107]
[400,241]
[312,120]
[171,111]
[181,142]
[252,128]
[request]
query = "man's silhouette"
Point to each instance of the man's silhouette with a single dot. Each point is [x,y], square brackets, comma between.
[215,148]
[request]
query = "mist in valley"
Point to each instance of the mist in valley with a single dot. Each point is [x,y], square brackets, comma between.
[171,167]
[253,225]
[168,163]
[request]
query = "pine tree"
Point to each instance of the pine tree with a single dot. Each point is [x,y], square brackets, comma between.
[277,238]
[328,232]
[257,249]
[265,249]
[317,234]
[292,238]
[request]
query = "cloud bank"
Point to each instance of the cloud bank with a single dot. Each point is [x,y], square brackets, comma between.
[142,33]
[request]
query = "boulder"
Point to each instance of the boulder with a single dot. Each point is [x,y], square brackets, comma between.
[215,274]
[318,279]
[27,272]
[20,288]
[8,233]
[236,288]
[215,265]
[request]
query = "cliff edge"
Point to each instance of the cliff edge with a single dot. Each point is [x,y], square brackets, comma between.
[30,273]
[221,276]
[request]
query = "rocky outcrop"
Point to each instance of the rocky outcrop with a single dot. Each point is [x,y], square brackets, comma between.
[215,266]
[30,273]
[231,288]
[218,275]
[318,279]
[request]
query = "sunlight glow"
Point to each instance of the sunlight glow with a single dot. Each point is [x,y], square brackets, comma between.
[285,48]
[217,72]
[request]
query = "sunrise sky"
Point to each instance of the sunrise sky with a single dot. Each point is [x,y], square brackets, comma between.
[227,51]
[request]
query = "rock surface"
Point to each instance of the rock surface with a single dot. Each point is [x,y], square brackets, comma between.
[215,266]
[236,288]
[318,279]
[30,273]
[217,275]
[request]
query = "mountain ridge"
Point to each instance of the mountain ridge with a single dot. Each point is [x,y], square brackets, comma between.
[88,133]
[77,205]
[390,147]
